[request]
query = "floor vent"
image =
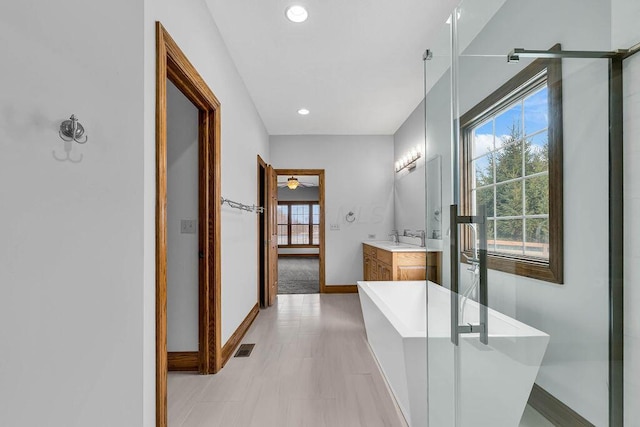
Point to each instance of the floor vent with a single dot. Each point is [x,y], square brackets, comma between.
[244,350]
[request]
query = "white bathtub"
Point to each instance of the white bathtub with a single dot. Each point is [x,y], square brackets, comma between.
[494,380]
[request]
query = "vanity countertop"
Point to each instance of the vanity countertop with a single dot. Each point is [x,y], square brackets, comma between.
[403,247]
[394,247]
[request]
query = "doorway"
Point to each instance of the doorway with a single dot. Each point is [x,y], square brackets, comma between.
[300,231]
[263,234]
[183,232]
[172,65]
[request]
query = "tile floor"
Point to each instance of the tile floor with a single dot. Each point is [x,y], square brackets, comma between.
[311,366]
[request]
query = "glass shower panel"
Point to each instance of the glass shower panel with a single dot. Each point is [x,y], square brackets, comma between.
[520,326]
[438,127]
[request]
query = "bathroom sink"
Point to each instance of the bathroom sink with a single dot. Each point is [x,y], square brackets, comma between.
[433,245]
[395,247]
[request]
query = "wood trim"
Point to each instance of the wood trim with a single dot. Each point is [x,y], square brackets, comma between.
[239,333]
[299,246]
[556,161]
[555,410]
[172,64]
[322,231]
[341,289]
[553,271]
[183,360]
[289,223]
[161,229]
[321,202]
[303,172]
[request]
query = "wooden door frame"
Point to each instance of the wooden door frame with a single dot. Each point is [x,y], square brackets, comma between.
[263,282]
[321,252]
[172,64]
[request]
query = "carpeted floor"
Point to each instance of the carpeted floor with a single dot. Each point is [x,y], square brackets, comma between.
[298,276]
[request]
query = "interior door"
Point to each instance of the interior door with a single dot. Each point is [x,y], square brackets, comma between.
[272,232]
[263,236]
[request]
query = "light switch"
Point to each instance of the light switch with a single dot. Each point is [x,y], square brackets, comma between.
[334,227]
[187,226]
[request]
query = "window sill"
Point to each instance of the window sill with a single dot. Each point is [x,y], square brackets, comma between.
[531,268]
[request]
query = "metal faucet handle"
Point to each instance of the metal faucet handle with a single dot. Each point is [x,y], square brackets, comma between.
[406,232]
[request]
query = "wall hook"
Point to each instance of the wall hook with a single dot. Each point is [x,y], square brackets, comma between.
[71,130]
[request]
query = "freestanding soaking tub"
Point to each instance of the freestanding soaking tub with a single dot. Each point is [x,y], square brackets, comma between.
[472,384]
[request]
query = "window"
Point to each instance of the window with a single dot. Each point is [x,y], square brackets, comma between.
[283,224]
[512,165]
[298,224]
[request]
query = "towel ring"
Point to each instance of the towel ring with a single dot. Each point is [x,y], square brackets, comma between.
[351,217]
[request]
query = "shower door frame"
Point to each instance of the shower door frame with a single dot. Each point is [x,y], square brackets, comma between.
[616,218]
[616,201]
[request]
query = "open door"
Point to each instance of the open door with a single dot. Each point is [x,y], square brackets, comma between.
[272,232]
[264,238]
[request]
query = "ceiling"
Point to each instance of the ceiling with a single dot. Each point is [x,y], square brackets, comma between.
[355,64]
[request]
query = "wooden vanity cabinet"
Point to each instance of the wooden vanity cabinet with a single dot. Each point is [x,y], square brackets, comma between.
[369,263]
[379,264]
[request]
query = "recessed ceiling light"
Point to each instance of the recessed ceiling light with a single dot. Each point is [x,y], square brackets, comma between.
[296,13]
[303,111]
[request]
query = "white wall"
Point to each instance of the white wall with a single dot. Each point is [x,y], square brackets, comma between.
[409,195]
[71,251]
[410,186]
[358,178]
[243,137]
[626,34]
[574,314]
[632,238]
[412,196]
[182,204]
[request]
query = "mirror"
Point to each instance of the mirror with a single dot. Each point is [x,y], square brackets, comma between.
[433,177]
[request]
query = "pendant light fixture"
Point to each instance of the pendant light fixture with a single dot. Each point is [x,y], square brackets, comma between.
[293,183]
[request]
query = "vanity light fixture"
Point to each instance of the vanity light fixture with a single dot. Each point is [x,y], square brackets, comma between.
[293,183]
[303,111]
[409,160]
[296,13]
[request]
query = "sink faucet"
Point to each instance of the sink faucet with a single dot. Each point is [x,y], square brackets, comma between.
[394,236]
